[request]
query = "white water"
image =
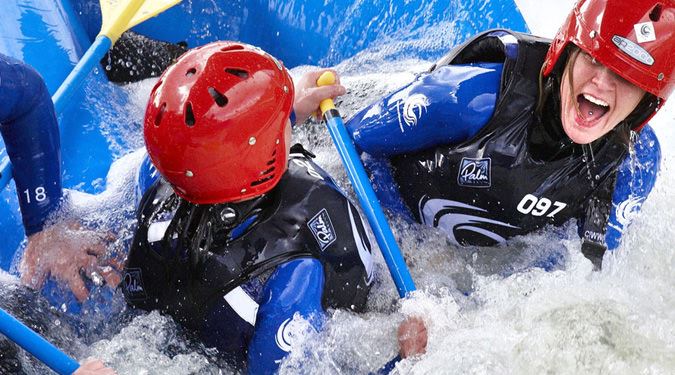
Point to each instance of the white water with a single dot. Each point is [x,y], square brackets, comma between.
[620,320]
[569,321]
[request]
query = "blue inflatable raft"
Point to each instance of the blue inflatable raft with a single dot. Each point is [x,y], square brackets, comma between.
[52,35]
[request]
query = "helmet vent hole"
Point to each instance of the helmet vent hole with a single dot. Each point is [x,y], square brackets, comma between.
[655,14]
[271,161]
[189,115]
[233,47]
[219,98]
[160,114]
[262,180]
[191,72]
[237,72]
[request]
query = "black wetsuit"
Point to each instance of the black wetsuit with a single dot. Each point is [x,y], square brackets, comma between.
[520,166]
[211,266]
[512,173]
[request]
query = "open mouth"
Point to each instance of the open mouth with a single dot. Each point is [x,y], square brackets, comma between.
[590,108]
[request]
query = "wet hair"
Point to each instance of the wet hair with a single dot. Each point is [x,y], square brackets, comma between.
[549,85]
[564,64]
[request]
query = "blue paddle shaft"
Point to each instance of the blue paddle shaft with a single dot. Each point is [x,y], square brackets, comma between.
[36,345]
[74,80]
[369,203]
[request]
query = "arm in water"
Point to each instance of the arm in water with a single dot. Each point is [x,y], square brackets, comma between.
[340,279]
[30,132]
[294,287]
[636,179]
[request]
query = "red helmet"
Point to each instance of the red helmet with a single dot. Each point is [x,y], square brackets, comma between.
[214,125]
[632,38]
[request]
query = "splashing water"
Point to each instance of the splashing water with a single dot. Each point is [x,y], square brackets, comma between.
[487,311]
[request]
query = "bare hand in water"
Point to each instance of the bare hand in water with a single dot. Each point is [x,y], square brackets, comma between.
[412,337]
[67,252]
[94,366]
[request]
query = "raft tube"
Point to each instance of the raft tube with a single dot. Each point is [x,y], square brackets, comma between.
[51,35]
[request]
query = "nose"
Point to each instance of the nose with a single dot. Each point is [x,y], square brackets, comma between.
[603,77]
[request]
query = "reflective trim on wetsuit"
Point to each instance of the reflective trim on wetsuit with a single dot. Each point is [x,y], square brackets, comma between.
[245,306]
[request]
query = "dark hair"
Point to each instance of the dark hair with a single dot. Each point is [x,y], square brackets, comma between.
[550,84]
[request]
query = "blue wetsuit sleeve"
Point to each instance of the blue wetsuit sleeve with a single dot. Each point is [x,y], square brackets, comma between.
[294,287]
[447,106]
[31,135]
[635,180]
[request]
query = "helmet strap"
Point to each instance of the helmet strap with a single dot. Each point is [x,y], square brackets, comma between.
[643,111]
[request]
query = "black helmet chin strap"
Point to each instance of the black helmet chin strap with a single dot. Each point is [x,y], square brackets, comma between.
[643,111]
[594,228]
[598,209]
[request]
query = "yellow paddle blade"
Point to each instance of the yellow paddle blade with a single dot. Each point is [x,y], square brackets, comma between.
[121,15]
[150,9]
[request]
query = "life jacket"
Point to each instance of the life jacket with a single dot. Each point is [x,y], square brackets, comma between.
[186,257]
[491,187]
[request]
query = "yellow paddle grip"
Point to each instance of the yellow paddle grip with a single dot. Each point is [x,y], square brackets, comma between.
[326,79]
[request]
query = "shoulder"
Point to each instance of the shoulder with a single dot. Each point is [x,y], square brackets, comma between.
[146,175]
[635,179]
[306,177]
[154,197]
[639,169]
[498,45]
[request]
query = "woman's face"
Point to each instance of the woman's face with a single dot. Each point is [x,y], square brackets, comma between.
[595,101]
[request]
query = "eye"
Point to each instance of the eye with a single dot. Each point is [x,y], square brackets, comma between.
[587,57]
[590,59]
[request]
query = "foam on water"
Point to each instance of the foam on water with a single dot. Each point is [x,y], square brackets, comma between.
[620,320]
[487,311]
[515,319]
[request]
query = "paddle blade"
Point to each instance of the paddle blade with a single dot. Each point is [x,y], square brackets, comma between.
[150,9]
[121,15]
